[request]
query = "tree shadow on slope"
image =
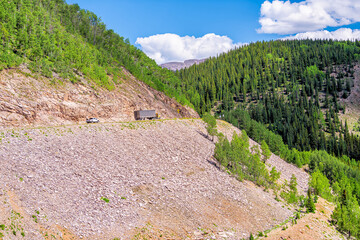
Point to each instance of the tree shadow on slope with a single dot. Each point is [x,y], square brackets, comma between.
[206,136]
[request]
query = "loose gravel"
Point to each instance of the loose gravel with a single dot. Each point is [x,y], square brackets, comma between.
[104,181]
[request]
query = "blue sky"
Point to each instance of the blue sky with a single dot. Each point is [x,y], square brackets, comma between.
[142,18]
[239,20]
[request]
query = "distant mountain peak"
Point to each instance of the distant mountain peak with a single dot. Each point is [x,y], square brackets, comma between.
[173,66]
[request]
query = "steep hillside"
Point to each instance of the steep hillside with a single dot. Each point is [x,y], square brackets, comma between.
[352,102]
[313,226]
[296,88]
[292,95]
[128,180]
[29,99]
[66,66]
[67,41]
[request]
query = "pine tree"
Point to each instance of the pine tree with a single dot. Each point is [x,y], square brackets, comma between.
[310,205]
[274,175]
[293,184]
[265,150]
[210,122]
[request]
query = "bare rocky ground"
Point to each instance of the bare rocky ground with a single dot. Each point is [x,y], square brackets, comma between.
[30,100]
[128,180]
[352,103]
[311,226]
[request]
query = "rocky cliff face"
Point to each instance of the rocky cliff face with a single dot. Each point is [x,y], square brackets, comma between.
[29,100]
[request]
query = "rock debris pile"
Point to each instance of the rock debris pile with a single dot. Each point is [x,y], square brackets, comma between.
[110,180]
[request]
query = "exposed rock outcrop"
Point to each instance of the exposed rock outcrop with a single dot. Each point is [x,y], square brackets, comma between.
[29,100]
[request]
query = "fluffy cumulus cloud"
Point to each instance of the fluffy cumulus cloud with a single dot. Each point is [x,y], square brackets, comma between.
[284,17]
[340,34]
[170,47]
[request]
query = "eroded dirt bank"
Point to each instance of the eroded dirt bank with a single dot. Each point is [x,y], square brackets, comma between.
[30,100]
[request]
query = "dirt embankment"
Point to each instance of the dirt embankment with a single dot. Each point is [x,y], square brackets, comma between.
[312,226]
[124,180]
[29,100]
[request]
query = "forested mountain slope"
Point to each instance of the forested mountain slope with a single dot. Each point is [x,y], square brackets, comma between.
[294,87]
[59,64]
[54,37]
[289,94]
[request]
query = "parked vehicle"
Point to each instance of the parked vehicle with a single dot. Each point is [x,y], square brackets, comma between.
[92,120]
[145,114]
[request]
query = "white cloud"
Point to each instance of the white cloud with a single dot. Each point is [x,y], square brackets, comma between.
[340,34]
[170,47]
[284,17]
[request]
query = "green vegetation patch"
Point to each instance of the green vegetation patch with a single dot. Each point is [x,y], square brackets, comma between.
[73,43]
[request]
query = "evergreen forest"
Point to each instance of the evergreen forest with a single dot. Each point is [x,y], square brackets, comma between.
[293,87]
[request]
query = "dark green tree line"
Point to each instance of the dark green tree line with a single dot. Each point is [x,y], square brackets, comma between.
[293,87]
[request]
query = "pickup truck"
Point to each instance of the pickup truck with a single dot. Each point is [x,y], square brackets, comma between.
[92,120]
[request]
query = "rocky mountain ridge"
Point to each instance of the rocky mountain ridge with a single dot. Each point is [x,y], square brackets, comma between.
[173,66]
